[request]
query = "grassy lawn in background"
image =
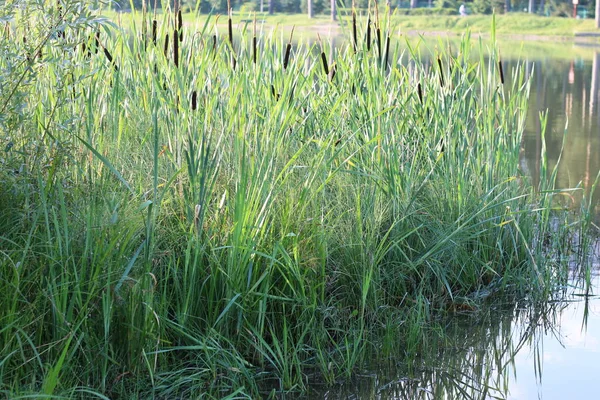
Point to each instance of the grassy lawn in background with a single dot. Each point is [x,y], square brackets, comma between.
[514,24]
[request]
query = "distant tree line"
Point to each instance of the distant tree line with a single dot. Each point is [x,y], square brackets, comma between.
[415,7]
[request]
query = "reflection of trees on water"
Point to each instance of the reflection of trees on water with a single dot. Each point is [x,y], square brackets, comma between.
[568,92]
[474,358]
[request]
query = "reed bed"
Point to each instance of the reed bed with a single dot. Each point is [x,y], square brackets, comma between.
[178,227]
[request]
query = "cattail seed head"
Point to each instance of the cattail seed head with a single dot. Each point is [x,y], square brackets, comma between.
[166,47]
[369,33]
[194,100]
[154,30]
[439,61]
[354,35]
[180,25]
[325,66]
[176,48]
[501,72]
[286,58]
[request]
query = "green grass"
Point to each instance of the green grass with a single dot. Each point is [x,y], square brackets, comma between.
[515,25]
[149,249]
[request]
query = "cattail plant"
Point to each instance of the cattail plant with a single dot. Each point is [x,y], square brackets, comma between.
[109,57]
[274,93]
[387,51]
[254,53]
[354,35]
[230,23]
[323,57]
[60,33]
[288,49]
[144,24]
[378,31]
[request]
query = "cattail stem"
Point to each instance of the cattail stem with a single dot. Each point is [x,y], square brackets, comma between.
[288,50]
[354,36]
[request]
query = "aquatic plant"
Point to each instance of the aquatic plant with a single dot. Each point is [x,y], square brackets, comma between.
[281,223]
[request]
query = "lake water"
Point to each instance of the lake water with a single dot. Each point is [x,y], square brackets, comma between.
[546,351]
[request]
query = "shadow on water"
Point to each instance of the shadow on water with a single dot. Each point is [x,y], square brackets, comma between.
[523,351]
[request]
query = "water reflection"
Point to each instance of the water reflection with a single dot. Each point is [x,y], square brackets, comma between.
[567,91]
[547,351]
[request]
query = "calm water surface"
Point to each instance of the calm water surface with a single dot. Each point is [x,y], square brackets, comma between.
[549,351]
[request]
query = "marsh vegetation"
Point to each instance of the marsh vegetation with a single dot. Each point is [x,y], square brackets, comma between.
[185,214]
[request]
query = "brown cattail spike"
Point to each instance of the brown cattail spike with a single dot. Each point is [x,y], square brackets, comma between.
[97,42]
[439,61]
[110,58]
[387,52]
[274,93]
[166,47]
[288,49]
[254,41]
[420,92]
[286,59]
[154,30]
[325,66]
[230,23]
[378,32]
[501,72]
[176,48]
[180,24]
[194,100]
[354,29]
[369,33]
